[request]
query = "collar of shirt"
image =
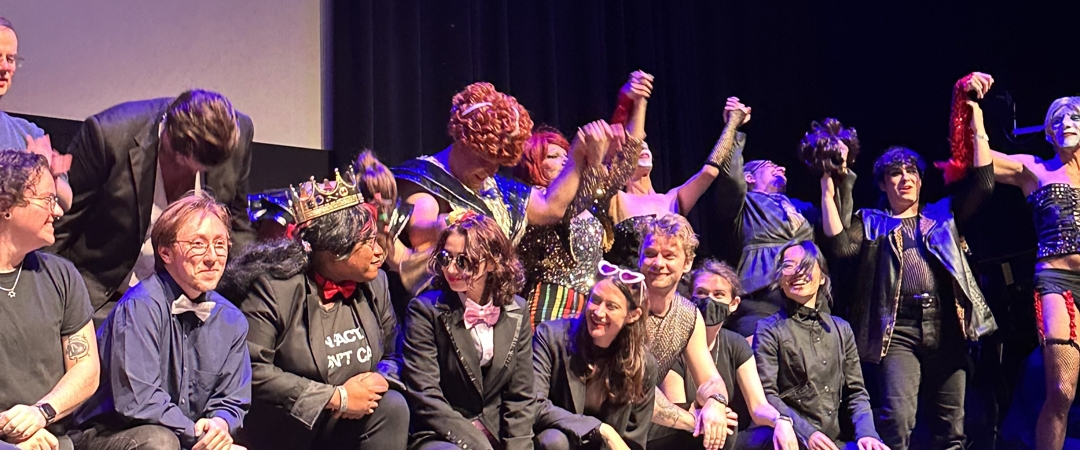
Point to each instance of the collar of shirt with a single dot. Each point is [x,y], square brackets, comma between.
[801,312]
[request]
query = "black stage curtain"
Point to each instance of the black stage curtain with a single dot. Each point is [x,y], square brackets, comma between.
[885,69]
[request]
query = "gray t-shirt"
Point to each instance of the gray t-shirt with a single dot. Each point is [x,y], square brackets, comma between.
[13,131]
[50,301]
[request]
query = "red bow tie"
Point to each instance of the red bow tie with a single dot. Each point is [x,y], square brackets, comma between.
[330,288]
[475,314]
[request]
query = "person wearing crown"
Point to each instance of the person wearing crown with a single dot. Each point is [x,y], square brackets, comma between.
[489,129]
[175,371]
[321,328]
[468,347]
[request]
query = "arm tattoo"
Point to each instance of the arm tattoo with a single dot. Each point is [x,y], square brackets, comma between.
[665,412]
[77,347]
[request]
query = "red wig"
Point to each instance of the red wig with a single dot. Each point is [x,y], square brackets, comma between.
[531,167]
[490,123]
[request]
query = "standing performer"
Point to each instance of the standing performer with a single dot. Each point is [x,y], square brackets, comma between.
[560,259]
[918,298]
[489,129]
[1052,187]
[759,218]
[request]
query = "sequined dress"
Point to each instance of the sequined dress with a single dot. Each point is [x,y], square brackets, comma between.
[560,260]
[669,335]
[1056,210]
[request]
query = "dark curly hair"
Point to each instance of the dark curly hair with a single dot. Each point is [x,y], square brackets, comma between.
[897,157]
[820,147]
[19,171]
[621,366]
[485,241]
[490,123]
[337,233]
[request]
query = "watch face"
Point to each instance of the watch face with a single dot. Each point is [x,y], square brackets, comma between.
[48,411]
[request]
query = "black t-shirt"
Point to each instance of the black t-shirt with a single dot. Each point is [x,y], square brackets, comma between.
[50,302]
[730,352]
[347,350]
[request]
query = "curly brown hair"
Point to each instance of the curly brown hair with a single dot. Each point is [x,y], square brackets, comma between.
[621,366]
[531,167]
[485,241]
[672,226]
[19,171]
[202,125]
[490,123]
[820,147]
[711,266]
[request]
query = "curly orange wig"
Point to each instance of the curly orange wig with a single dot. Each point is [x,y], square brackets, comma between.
[531,167]
[489,122]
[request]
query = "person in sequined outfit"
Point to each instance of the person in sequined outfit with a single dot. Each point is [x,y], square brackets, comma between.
[489,129]
[917,300]
[1054,195]
[560,259]
[677,330]
[639,202]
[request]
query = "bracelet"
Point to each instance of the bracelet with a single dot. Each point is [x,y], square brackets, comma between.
[343,403]
[783,418]
[982,136]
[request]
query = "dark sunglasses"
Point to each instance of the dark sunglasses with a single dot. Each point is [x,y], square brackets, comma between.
[444,258]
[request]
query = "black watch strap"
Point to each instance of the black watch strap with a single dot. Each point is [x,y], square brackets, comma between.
[48,411]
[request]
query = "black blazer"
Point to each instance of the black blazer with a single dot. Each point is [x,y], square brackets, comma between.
[113,171]
[288,360]
[447,389]
[560,392]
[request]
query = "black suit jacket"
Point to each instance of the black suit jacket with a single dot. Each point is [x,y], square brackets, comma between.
[560,392]
[447,389]
[289,360]
[113,171]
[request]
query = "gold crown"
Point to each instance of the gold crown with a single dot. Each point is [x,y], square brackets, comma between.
[319,199]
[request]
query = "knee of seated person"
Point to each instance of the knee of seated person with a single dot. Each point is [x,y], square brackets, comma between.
[552,439]
[393,407]
[154,437]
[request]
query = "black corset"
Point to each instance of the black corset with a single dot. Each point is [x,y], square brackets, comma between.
[1056,218]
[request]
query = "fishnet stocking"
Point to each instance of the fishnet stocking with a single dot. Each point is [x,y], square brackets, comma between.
[1062,364]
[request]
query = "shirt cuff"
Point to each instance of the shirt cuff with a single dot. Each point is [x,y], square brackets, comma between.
[229,418]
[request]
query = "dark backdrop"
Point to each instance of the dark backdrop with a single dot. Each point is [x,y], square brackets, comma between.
[886,70]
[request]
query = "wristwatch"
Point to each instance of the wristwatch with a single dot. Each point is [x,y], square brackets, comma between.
[48,411]
[720,398]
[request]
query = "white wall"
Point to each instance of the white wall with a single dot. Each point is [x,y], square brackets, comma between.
[83,56]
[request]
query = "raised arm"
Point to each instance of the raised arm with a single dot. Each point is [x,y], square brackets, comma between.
[735,115]
[548,206]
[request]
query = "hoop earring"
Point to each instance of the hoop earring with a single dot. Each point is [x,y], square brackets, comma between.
[7,215]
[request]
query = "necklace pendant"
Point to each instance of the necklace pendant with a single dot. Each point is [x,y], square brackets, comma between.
[11,294]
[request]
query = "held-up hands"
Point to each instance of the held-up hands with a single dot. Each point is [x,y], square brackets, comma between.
[596,140]
[734,104]
[978,83]
[364,390]
[639,86]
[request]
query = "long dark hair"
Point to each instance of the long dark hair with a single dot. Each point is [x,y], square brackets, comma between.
[620,367]
[338,233]
[485,241]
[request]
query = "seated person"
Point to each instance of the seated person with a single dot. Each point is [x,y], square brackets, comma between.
[676,330]
[175,371]
[468,352]
[787,346]
[47,363]
[595,380]
[716,292]
[321,329]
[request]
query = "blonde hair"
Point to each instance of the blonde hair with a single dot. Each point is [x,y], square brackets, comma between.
[672,226]
[1059,107]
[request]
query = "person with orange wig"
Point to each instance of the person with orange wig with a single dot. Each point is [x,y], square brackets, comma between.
[489,130]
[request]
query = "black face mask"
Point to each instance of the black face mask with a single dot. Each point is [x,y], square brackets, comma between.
[712,311]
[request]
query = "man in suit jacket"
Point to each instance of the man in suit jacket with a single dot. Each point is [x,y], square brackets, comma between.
[129,162]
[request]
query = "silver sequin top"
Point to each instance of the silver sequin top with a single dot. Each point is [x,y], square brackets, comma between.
[1056,209]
